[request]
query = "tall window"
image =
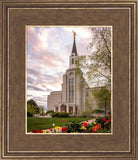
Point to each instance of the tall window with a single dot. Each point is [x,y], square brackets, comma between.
[72,60]
[71,90]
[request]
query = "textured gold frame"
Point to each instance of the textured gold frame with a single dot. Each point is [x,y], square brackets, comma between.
[9,144]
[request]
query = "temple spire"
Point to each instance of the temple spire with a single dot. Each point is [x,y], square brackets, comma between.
[74,49]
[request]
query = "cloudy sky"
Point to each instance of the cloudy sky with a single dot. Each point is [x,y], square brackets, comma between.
[48,50]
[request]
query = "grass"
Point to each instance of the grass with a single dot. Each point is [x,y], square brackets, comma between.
[34,123]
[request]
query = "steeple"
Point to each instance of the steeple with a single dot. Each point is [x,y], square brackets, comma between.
[74,49]
[74,56]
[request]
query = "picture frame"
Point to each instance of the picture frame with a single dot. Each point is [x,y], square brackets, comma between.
[15,15]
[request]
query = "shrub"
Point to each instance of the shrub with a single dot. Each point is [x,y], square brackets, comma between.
[50,112]
[34,106]
[55,114]
[29,114]
[97,111]
[30,109]
[86,114]
[42,113]
[109,112]
[105,123]
[63,114]
[60,114]
[73,126]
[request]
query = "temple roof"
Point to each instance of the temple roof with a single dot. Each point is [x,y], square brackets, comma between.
[74,49]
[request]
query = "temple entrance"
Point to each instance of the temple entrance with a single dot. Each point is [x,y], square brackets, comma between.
[70,110]
[63,108]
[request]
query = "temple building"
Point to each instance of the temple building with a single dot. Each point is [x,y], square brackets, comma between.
[75,93]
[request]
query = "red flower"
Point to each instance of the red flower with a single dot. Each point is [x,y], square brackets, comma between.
[96,128]
[40,131]
[103,119]
[64,129]
[87,121]
[37,131]
[108,121]
[51,129]
[85,124]
[93,130]
[63,120]
[99,125]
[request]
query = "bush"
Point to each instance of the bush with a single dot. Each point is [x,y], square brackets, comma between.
[60,114]
[33,109]
[29,114]
[97,111]
[106,126]
[55,114]
[42,113]
[50,112]
[109,112]
[73,126]
[63,114]
[86,114]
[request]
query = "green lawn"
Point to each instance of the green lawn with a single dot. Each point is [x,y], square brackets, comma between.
[34,123]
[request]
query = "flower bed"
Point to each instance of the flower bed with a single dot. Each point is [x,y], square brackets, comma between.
[101,125]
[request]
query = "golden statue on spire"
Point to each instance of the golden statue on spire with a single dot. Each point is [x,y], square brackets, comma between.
[74,34]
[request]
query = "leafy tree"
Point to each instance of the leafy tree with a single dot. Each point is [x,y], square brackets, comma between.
[42,113]
[33,107]
[88,105]
[30,109]
[103,98]
[32,102]
[97,66]
[98,111]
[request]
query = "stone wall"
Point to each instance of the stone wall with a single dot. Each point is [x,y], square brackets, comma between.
[54,99]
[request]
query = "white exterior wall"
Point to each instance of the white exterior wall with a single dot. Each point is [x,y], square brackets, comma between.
[70,60]
[64,85]
[54,99]
[58,98]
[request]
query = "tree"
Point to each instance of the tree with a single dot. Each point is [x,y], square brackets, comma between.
[103,98]
[32,102]
[30,109]
[34,107]
[97,111]
[97,66]
[88,105]
[42,113]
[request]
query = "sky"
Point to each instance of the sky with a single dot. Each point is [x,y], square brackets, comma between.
[48,51]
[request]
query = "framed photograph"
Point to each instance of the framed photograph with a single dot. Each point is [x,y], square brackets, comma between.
[68,80]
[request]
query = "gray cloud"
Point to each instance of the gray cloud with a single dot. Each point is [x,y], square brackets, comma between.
[48,51]
[31,87]
[32,72]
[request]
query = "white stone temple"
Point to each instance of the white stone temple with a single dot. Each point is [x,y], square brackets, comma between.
[75,91]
